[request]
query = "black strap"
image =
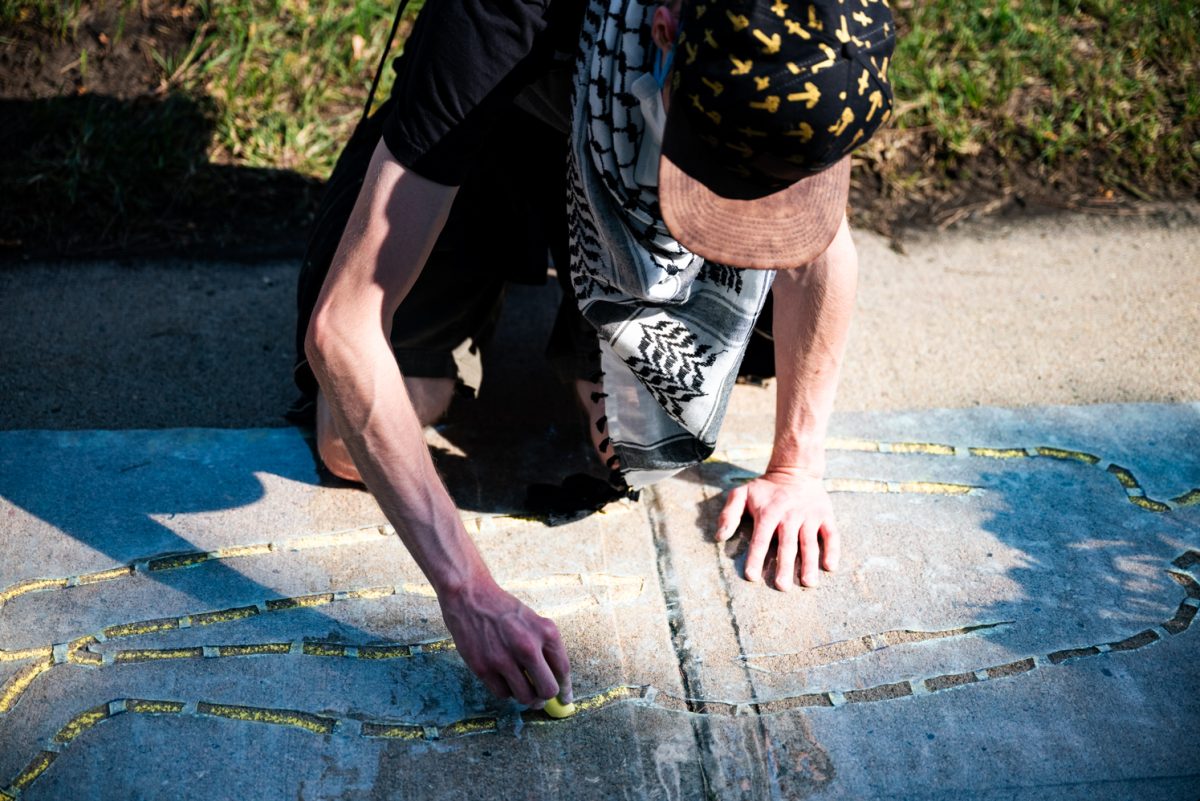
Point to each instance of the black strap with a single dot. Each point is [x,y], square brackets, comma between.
[383,59]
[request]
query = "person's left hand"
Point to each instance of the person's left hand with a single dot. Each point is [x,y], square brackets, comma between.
[796,508]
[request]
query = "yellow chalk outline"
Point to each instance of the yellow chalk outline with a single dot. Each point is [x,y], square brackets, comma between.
[79,650]
[644,695]
[1128,482]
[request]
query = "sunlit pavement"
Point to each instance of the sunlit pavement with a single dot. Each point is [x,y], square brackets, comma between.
[192,613]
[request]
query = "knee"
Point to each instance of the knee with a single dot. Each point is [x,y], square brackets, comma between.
[330,447]
[430,397]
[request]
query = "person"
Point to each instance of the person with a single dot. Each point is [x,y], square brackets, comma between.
[688,202]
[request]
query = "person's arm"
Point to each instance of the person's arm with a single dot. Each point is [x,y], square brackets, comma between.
[390,234]
[812,310]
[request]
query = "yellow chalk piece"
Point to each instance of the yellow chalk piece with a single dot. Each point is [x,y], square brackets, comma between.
[141,627]
[384,652]
[255,649]
[1060,453]
[557,709]
[935,488]
[154,654]
[397,732]
[33,585]
[299,602]
[469,726]
[932,448]
[19,682]
[105,575]
[34,769]
[604,699]
[235,551]
[81,723]
[149,707]
[278,717]
[855,485]
[324,649]
[1124,476]
[436,646]
[999,453]
[840,444]
[44,652]
[224,615]
[371,593]
[1150,505]
[1189,498]
[178,561]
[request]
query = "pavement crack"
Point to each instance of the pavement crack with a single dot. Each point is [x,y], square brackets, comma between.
[854,648]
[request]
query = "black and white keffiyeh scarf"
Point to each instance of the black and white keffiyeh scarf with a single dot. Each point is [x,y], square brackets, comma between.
[672,328]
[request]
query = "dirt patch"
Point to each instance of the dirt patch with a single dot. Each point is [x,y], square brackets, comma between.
[100,156]
[105,50]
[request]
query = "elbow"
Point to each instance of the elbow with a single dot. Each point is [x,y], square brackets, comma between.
[319,342]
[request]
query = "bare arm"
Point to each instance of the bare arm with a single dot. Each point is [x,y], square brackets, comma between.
[389,236]
[813,307]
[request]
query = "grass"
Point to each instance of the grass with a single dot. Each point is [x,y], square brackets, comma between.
[289,76]
[1095,97]
[1110,88]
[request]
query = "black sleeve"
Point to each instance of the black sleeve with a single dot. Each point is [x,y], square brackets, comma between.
[462,65]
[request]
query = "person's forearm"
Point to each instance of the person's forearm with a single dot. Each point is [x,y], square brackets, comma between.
[380,428]
[812,310]
[388,238]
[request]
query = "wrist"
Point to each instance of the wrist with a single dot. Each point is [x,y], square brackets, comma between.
[464,586]
[798,458]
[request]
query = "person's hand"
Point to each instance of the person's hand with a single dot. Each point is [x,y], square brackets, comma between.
[793,507]
[514,651]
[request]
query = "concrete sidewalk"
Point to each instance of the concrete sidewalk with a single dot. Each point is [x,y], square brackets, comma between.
[188,612]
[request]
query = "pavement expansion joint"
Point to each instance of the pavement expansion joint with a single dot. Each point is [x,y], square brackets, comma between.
[855,648]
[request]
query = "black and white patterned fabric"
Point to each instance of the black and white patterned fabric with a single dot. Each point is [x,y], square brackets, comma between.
[672,328]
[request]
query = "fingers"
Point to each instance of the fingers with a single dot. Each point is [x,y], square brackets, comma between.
[809,553]
[785,566]
[731,515]
[760,542]
[542,679]
[556,658]
[831,542]
[496,684]
[539,671]
[519,686]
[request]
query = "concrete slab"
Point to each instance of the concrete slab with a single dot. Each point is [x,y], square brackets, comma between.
[189,613]
[1067,309]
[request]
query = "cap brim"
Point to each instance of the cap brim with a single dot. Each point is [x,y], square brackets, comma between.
[787,228]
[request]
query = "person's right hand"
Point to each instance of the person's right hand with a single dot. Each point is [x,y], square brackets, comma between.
[503,642]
